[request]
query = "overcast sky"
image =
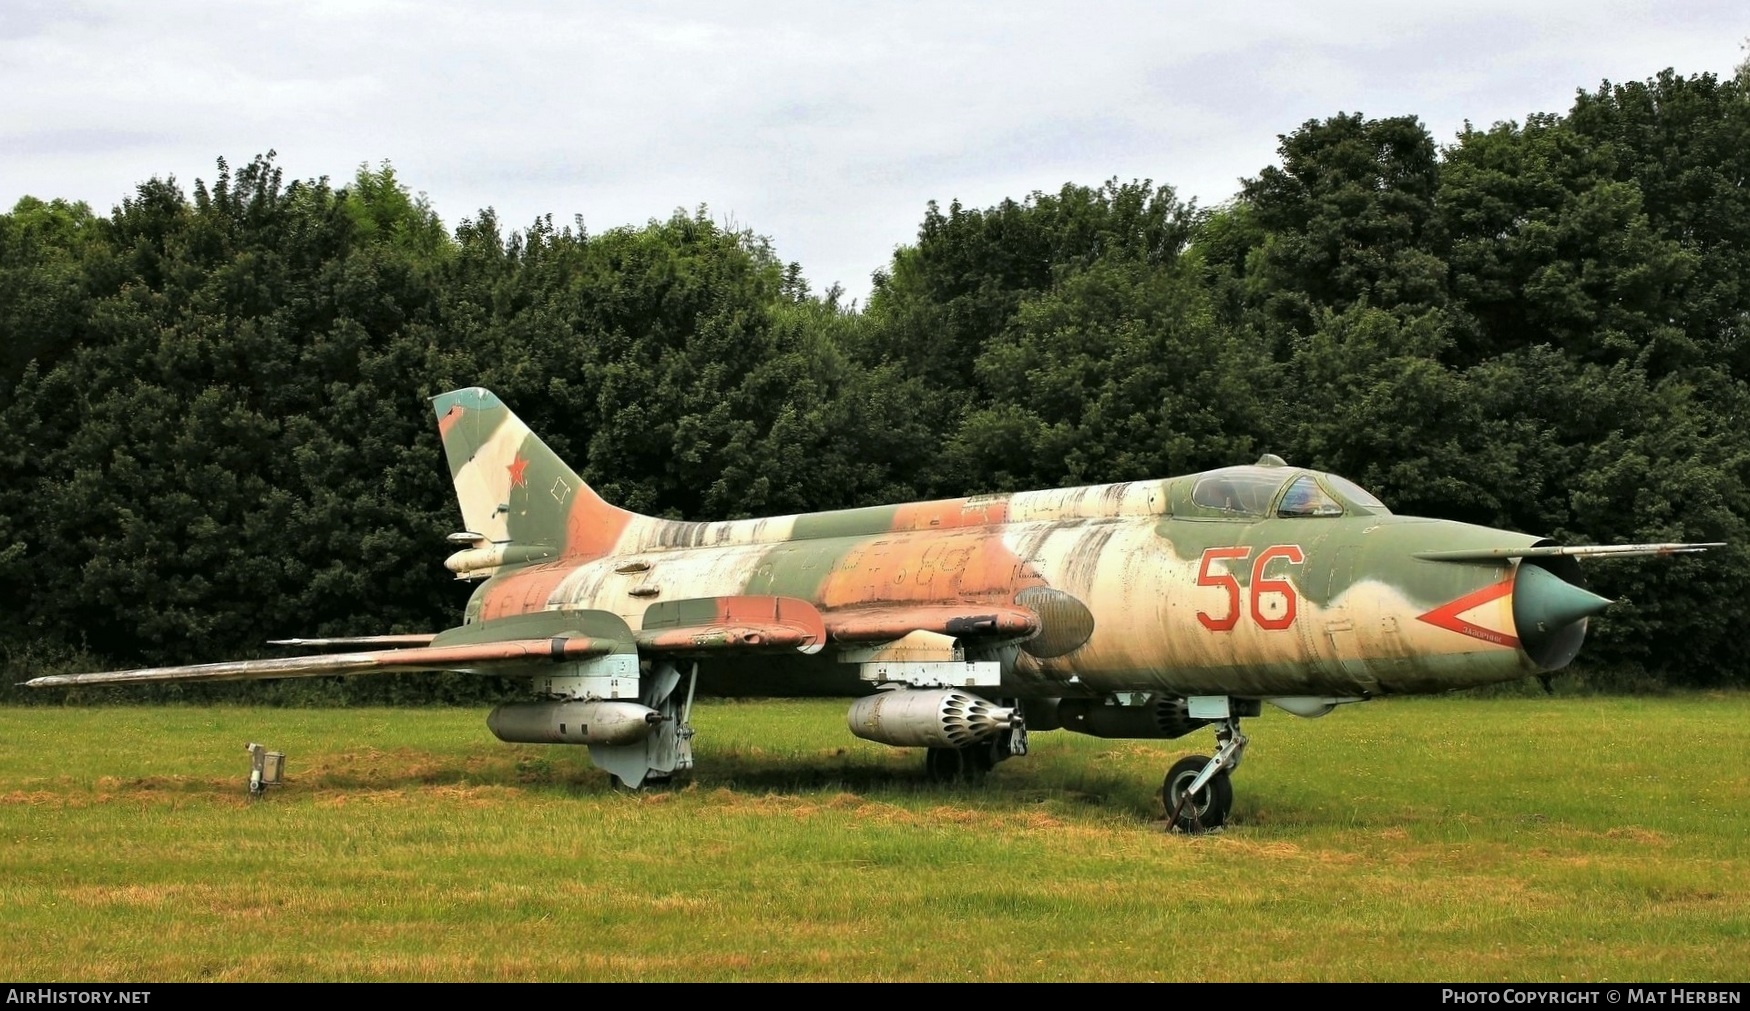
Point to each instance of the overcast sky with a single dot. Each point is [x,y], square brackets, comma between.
[826,126]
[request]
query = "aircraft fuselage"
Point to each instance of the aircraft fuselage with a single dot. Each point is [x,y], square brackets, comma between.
[1137,586]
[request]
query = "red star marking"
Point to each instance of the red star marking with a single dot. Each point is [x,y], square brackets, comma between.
[516,472]
[1447,615]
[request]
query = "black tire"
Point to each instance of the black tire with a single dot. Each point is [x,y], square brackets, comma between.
[959,765]
[943,765]
[1206,809]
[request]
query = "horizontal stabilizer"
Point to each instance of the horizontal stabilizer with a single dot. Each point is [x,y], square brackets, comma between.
[478,657]
[1574,551]
[962,621]
[732,624]
[360,641]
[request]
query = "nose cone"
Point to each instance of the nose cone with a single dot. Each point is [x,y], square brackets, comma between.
[1550,615]
[1545,602]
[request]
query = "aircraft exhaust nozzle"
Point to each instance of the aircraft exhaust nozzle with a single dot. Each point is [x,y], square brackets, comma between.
[572,722]
[1550,612]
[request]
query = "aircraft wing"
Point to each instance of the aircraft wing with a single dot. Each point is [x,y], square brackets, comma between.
[518,645]
[523,644]
[482,657]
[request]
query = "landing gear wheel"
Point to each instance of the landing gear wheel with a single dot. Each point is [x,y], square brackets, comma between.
[959,765]
[982,757]
[1202,811]
[945,765]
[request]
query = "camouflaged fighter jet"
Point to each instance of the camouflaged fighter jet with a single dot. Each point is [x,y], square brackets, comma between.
[1146,609]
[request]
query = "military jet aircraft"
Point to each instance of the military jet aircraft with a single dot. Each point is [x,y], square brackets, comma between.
[1146,609]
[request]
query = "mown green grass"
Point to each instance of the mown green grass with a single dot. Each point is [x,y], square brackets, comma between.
[1451,839]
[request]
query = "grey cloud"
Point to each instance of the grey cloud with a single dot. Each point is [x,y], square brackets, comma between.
[826,127]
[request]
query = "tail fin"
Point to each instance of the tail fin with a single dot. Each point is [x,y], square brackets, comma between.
[520,500]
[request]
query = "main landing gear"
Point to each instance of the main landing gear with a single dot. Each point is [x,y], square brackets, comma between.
[1197,792]
[963,765]
[970,763]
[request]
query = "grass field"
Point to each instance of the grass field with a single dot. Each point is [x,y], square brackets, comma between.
[1452,839]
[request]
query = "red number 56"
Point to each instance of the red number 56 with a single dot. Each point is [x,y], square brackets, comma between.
[1260,585]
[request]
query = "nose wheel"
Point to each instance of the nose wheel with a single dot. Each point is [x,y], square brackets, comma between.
[1197,792]
[1199,810]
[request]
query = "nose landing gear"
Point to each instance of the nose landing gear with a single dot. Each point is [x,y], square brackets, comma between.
[1197,792]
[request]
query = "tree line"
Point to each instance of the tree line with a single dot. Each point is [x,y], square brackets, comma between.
[213,428]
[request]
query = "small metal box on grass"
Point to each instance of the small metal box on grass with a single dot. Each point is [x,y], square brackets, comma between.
[266,768]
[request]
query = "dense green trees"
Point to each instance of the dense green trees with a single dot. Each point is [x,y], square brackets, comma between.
[213,428]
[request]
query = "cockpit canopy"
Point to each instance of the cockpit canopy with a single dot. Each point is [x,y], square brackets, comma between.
[1273,489]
